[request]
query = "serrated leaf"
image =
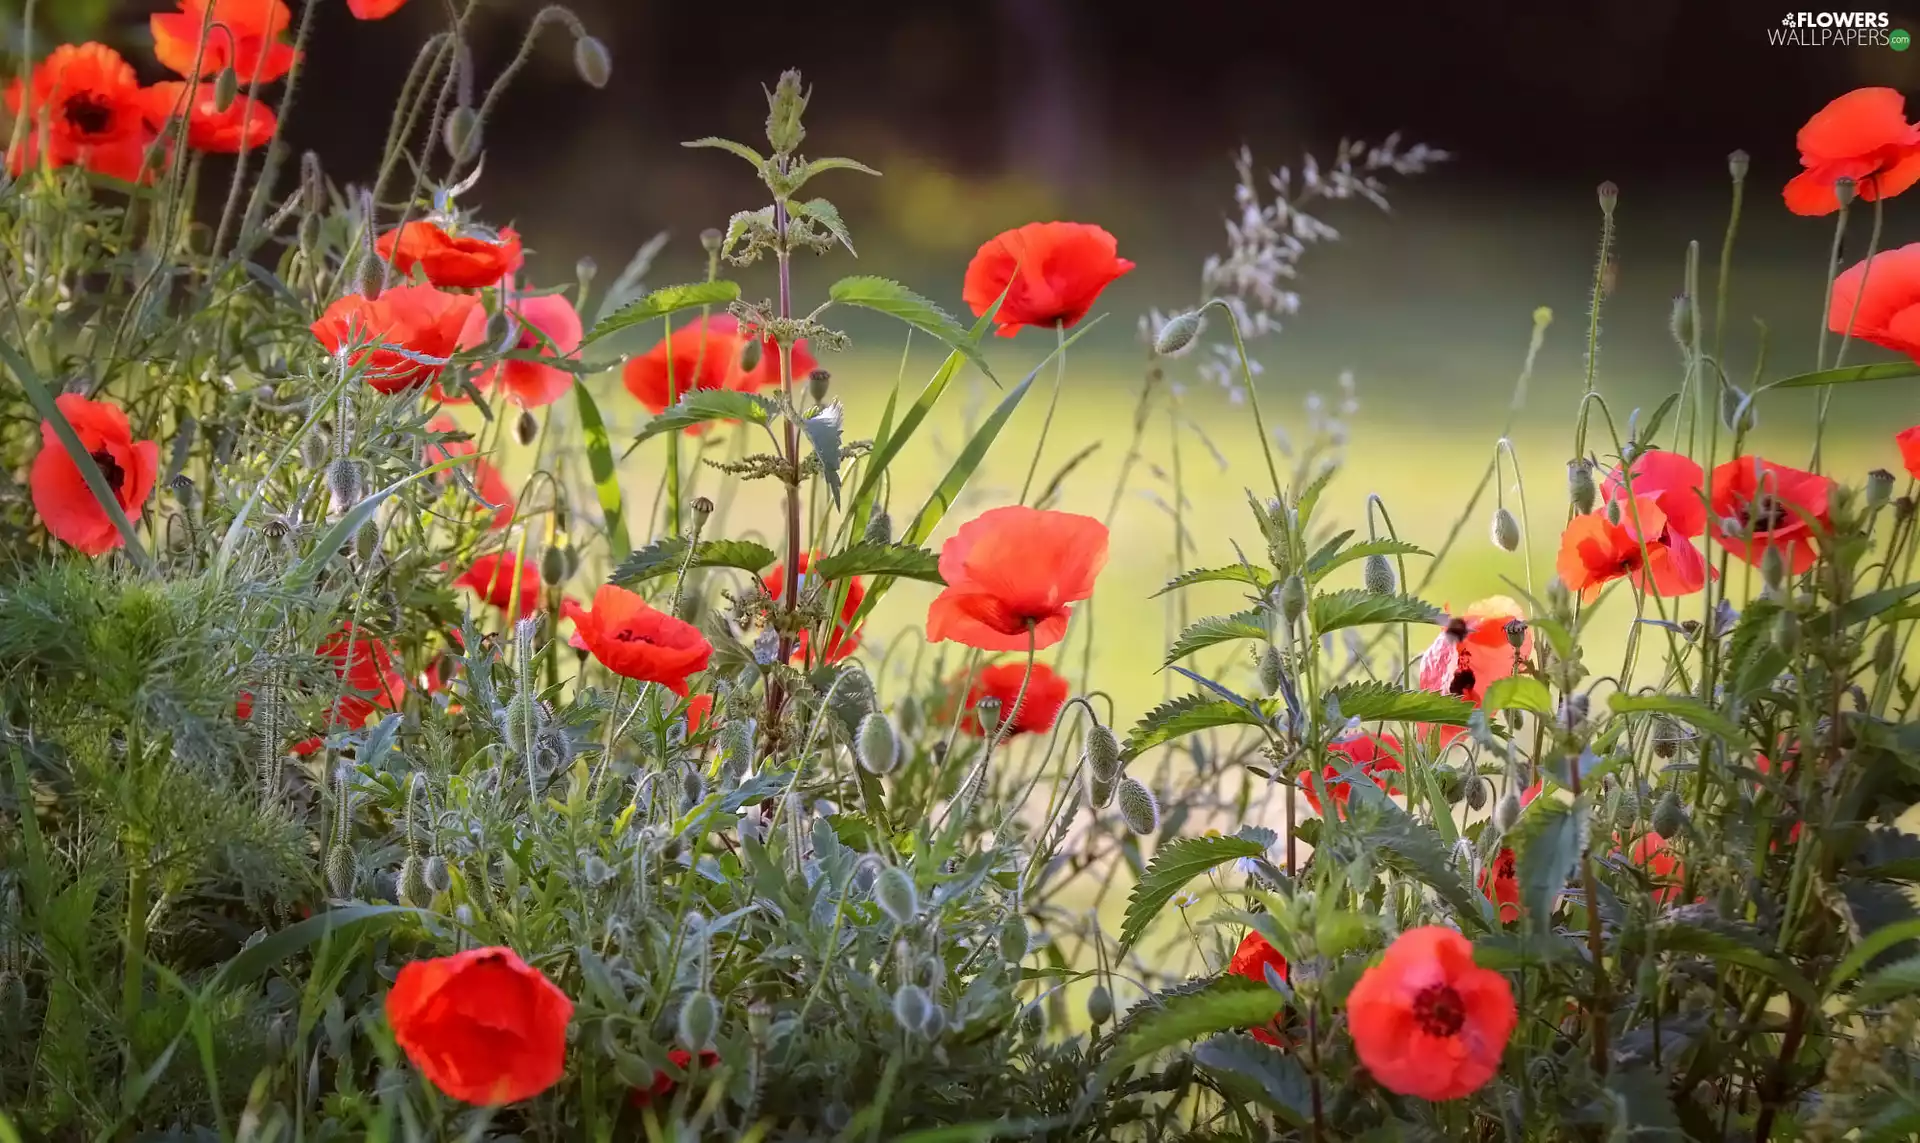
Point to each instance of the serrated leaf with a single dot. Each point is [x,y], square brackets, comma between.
[1227,1005]
[902,560]
[1547,843]
[1412,849]
[823,433]
[831,163]
[828,216]
[884,295]
[1639,1110]
[1682,707]
[1232,573]
[1716,945]
[1173,865]
[703,405]
[1319,567]
[661,303]
[1273,1077]
[738,224]
[1356,607]
[1885,371]
[1519,692]
[1177,718]
[668,556]
[606,479]
[1375,701]
[1216,629]
[731,147]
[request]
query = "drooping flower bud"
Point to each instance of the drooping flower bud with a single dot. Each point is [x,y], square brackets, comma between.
[1786,632]
[461,133]
[414,889]
[343,482]
[911,1008]
[1737,411]
[1177,334]
[1506,812]
[1506,531]
[340,871]
[1773,568]
[1615,512]
[557,563]
[226,89]
[877,746]
[693,787]
[1580,489]
[1293,598]
[1099,1005]
[699,1019]
[1271,675]
[893,891]
[439,880]
[1376,575]
[1680,322]
[1476,793]
[1668,818]
[1102,754]
[1139,809]
[592,61]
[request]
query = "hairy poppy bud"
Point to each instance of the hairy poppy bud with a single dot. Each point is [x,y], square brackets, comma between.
[1102,754]
[1879,489]
[1668,818]
[1507,812]
[1099,792]
[340,871]
[699,1018]
[439,880]
[1845,189]
[1615,512]
[1680,322]
[987,710]
[1177,334]
[526,427]
[592,61]
[1376,575]
[818,382]
[1786,632]
[1666,736]
[1737,411]
[313,184]
[1270,672]
[1138,807]
[1476,793]
[1883,652]
[785,105]
[911,1008]
[343,481]
[557,564]
[879,528]
[1609,195]
[1580,489]
[414,889]
[1014,939]
[750,355]
[878,747]
[893,891]
[1099,1005]
[692,788]
[462,133]
[1773,568]
[226,89]
[1506,531]
[1293,597]
[1737,164]
[736,739]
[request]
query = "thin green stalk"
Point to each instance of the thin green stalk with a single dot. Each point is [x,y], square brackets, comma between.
[1846,336]
[1253,391]
[1053,402]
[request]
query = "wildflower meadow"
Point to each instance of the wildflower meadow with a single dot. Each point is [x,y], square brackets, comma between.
[392,747]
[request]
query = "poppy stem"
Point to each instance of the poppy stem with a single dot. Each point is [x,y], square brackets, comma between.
[1846,335]
[1053,402]
[1253,391]
[790,590]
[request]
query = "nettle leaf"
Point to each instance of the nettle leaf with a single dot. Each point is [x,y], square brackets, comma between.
[823,433]
[741,222]
[1411,849]
[1270,1076]
[1214,630]
[667,557]
[662,302]
[828,216]
[1173,865]
[1519,692]
[1375,701]
[1682,707]
[1180,717]
[884,295]
[902,560]
[703,405]
[1226,1005]
[1639,1108]
[1727,946]
[1324,561]
[1894,982]
[1232,573]
[1548,842]
[731,147]
[1356,607]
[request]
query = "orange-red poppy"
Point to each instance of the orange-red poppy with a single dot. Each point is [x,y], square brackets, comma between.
[365,664]
[842,641]
[84,103]
[374,9]
[390,335]
[1501,881]
[242,34]
[491,578]
[1908,441]
[1378,757]
[550,327]
[710,354]
[1056,271]
[1012,575]
[1428,1022]
[1757,504]
[632,639]
[1473,651]
[1653,854]
[60,494]
[245,124]
[483,1026]
[1047,692]
[488,481]
[1864,136]
[1595,551]
[1674,482]
[699,709]
[1880,303]
[451,261]
[663,1084]
[1251,961]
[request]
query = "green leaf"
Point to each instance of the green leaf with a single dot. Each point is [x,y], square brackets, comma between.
[901,560]
[1716,945]
[1216,629]
[1177,718]
[1894,982]
[1404,845]
[738,224]
[1651,429]
[1173,865]
[302,574]
[1232,573]
[884,295]
[666,557]
[823,212]
[1325,562]
[45,404]
[606,480]
[1228,1005]
[703,405]
[1885,371]
[896,437]
[731,147]
[1859,610]
[1375,701]
[1356,607]
[1548,842]
[254,961]
[662,302]
[1267,1074]
[1690,710]
[1871,946]
[832,163]
[1519,692]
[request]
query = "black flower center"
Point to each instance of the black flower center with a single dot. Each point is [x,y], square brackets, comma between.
[88,115]
[1439,1011]
[110,468]
[1462,681]
[1766,514]
[628,635]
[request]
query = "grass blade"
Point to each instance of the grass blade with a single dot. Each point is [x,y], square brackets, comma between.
[606,482]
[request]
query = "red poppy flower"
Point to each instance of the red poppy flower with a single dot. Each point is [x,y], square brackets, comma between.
[1864,136]
[374,9]
[245,124]
[366,664]
[1473,651]
[451,261]
[706,355]
[244,36]
[699,709]
[1047,692]
[1011,569]
[491,578]
[632,639]
[1427,1021]
[843,641]
[1909,442]
[1595,551]
[543,319]
[1674,483]
[60,494]
[663,1084]
[1653,854]
[1376,757]
[87,103]
[1250,960]
[381,333]
[1057,270]
[1501,881]
[483,1026]
[1775,503]
[1881,305]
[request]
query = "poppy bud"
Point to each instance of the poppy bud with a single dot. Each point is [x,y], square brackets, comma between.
[1883,652]
[1376,575]
[1609,195]
[414,890]
[591,60]
[1476,793]
[1033,1021]
[1879,489]
[912,1010]
[1737,163]
[226,89]
[1666,736]
[692,788]
[987,710]
[314,448]
[462,133]
[340,872]
[785,105]
[1558,597]
[1099,792]
[1270,673]
[1506,531]
[557,564]
[1516,633]
[1102,754]
[699,1017]
[1177,334]
[1138,807]
[1845,189]
[313,184]
[1786,632]
[750,355]
[736,739]
[1507,812]
[1099,1005]
[878,747]
[1615,512]
[1668,818]
[1293,597]
[879,528]
[893,891]
[818,382]
[1580,489]
[343,481]
[1014,939]
[1680,322]
[1773,568]
[1737,412]
[526,427]
[435,871]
